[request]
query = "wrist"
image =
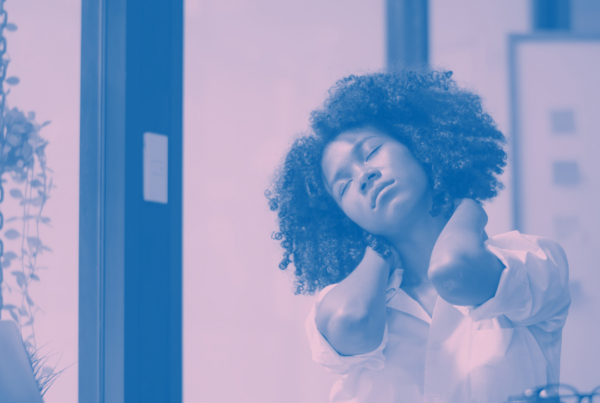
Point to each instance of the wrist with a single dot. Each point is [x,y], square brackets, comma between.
[376,260]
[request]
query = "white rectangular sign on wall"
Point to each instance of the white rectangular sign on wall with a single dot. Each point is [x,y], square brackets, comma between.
[156,151]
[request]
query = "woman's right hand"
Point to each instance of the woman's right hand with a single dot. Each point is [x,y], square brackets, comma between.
[394,260]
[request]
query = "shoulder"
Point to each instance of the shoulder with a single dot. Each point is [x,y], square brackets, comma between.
[523,244]
[537,256]
[324,292]
[533,288]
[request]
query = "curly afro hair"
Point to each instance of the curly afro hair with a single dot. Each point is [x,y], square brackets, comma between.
[445,128]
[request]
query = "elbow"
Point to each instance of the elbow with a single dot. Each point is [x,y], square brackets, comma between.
[466,280]
[450,287]
[353,334]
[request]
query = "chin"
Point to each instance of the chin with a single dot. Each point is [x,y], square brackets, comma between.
[400,211]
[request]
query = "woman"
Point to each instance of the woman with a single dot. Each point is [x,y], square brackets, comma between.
[379,209]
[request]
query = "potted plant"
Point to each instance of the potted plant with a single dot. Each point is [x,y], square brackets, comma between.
[24,377]
[17,381]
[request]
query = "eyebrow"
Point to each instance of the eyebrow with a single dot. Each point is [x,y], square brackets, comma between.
[355,148]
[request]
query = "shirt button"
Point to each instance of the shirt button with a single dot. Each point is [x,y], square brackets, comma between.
[436,346]
[435,400]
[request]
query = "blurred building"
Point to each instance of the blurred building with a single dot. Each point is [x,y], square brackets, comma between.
[555,128]
[536,65]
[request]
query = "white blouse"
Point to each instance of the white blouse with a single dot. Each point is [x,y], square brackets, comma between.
[463,354]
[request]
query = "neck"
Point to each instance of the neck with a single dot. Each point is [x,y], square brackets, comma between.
[415,244]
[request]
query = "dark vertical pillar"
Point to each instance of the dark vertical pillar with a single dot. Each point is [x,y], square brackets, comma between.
[407,34]
[130,249]
[551,15]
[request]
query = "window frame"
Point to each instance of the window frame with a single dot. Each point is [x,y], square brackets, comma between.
[130,250]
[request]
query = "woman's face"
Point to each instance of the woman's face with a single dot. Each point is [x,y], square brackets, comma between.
[375,180]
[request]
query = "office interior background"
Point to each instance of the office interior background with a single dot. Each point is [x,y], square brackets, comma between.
[252,72]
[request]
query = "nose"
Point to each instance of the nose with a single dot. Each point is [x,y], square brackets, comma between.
[367,179]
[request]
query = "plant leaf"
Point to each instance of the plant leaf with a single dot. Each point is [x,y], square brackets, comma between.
[36,183]
[23,312]
[14,315]
[16,193]
[5,263]
[10,255]
[36,202]
[34,277]
[34,242]
[47,248]
[11,219]
[19,179]
[11,27]
[17,274]
[12,80]
[20,277]
[9,306]
[12,234]
[29,300]
[13,139]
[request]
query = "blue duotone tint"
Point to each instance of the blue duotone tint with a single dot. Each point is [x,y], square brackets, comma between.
[130,249]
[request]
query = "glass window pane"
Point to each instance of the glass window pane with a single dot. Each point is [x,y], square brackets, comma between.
[44,54]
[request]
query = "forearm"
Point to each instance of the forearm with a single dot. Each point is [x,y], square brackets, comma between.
[462,235]
[352,315]
[463,271]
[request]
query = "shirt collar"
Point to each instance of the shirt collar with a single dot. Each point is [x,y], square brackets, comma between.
[396,298]
[393,284]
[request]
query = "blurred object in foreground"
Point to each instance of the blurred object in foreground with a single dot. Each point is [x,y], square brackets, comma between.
[17,383]
[557,393]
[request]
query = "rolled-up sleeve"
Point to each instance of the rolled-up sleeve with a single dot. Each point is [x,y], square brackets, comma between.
[534,285]
[324,354]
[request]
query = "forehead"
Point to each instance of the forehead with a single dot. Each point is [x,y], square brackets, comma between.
[353,136]
[338,150]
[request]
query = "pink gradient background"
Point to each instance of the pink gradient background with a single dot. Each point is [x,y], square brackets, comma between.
[253,72]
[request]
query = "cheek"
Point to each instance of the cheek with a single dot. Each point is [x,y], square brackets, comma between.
[356,212]
[413,174]
[364,217]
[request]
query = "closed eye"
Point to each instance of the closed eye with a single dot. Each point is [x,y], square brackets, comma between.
[373,152]
[343,188]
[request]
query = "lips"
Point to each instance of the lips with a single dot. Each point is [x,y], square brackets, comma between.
[377,189]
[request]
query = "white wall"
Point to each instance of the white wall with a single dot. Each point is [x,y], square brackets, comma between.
[253,72]
[470,37]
